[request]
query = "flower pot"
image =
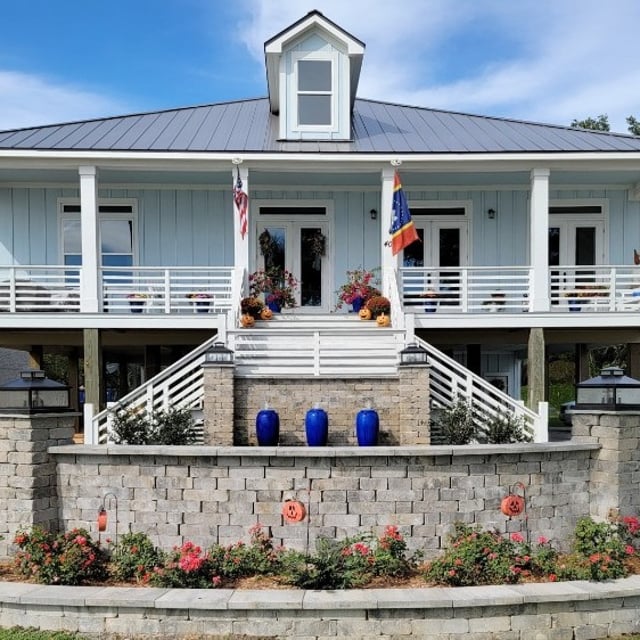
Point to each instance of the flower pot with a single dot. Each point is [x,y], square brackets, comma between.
[356,304]
[430,306]
[136,306]
[574,305]
[268,428]
[274,305]
[316,424]
[367,428]
[202,306]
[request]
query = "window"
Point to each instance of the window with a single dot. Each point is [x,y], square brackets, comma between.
[116,234]
[314,92]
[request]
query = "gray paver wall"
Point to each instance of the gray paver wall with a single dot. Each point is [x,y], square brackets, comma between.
[217,498]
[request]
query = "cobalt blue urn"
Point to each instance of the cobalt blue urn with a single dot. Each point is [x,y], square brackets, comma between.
[367,427]
[316,424]
[268,428]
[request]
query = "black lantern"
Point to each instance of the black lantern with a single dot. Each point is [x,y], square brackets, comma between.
[218,354]
[413,355]
[32,392]
[610,391]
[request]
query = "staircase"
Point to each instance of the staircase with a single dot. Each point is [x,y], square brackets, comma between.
[304,345]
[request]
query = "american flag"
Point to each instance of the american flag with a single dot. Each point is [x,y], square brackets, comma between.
[241,200]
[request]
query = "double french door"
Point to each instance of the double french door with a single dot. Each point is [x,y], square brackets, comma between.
[299,246]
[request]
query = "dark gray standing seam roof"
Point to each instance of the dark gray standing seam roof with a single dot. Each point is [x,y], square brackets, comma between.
[378,127]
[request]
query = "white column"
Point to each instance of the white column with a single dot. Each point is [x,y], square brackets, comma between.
[89,284]
[240,244]
[388,262]
[539,233]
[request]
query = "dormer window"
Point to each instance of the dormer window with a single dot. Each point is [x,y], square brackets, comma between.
[315,92]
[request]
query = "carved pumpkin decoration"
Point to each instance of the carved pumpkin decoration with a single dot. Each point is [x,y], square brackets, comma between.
[247,320]
[293,511]
[512,505]
[364,313]
[383,320]
[266,313]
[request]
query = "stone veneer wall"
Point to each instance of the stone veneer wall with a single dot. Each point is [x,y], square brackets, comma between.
[402,403]
[209,494]
[28,473]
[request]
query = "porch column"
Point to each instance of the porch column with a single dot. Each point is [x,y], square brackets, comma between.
[388,262]
[89,299]
[539,232]
[240,244]
[536,368]
[93,380]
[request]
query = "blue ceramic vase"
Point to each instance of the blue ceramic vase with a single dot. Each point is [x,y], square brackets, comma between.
[268,428]
[367,427]
[316,424]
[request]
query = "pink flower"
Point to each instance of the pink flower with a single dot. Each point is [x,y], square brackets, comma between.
[629,550]
[452,572]
[552,577]
[517,537]
[543,540]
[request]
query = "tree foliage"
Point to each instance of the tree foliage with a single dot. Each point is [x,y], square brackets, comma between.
[601,123]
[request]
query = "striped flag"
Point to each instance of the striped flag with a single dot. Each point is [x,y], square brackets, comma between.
[241,200]
[403,231]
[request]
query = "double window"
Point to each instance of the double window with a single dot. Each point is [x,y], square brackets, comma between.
[315,93]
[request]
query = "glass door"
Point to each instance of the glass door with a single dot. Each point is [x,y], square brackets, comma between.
[299,247]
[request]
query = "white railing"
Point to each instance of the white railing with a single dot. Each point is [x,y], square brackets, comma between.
[465,289]
[450,381]
[167,289]
[364,353]
[179,386]
[39,288]
[391,288]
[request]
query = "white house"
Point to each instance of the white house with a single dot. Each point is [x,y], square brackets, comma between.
[521,224]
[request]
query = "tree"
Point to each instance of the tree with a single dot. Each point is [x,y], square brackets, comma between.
[601,123]
[634,126]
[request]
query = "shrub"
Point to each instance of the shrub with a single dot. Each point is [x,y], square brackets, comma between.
[130,427]
[134,558]
[172,427]
[506,428]
[185,567]
[70,558]
[456,423]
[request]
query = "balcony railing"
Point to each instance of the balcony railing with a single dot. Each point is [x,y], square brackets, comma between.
[599,288]
[39,288]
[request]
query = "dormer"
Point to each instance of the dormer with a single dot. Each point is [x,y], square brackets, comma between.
[313,68]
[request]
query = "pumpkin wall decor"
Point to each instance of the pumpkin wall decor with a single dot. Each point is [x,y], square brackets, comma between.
[293,511]
[513,504]
[247,320]
[383,320]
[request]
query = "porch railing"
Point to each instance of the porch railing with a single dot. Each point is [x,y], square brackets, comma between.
[450,381]
[167,289]
[39,288]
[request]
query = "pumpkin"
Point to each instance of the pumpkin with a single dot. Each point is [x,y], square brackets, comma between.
[247,320]
[383,320]
[364,313]
[512,505]
[266,314]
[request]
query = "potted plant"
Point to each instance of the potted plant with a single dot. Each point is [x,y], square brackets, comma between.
[378,305]
[252,306]
[137,301]
[361,285]
[201,300]
[277,285]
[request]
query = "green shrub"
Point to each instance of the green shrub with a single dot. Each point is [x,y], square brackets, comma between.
[506,428]
[134,558]
[70,558]
[455,423]
[171,427]
[185,567]
[130,427]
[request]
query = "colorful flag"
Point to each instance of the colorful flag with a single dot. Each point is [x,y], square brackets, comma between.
[241,200]
[403,231]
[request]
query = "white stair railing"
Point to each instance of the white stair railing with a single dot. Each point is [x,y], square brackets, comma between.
[450,381]
[179,386]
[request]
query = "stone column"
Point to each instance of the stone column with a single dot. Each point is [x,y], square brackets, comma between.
[219,404]
[28,474]
[613,474]
[413,398]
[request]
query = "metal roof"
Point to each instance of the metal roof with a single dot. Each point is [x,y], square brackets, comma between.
[378,127]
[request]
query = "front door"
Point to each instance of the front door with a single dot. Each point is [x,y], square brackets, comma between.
[298,244]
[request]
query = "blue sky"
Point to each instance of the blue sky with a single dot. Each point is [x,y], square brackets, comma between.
[541,60]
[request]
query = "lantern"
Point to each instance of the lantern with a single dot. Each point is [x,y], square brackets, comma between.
[32,392]
[610,391]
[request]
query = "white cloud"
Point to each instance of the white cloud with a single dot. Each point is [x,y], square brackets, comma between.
[547,60]
[29,100]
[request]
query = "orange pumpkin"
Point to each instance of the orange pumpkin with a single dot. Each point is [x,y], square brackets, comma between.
[293,511]
[364,313]
[383,320]
[266,313]
[247,320]
[512,505]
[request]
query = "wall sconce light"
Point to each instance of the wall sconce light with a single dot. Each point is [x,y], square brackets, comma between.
[374,214]
[491,214]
